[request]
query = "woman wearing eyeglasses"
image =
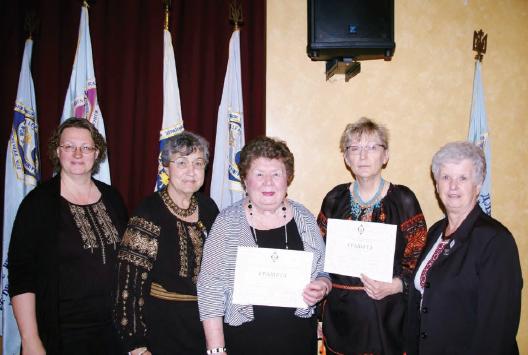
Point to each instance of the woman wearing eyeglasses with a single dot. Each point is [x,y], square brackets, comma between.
[160,257]
[361,315]
[63,250]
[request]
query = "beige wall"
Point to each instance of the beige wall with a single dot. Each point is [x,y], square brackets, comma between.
[423,96]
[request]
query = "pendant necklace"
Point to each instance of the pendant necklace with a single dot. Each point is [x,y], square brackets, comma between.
[254,231]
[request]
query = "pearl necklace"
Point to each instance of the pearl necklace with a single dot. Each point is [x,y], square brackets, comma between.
[254,231]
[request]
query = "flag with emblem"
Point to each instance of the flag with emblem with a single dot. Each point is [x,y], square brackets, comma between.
[225,182]
[22,174]
[172,117]
[479,134]
[81,97]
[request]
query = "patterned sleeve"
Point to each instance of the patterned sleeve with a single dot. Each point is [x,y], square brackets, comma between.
[414,230]
[212,282]
[136,258]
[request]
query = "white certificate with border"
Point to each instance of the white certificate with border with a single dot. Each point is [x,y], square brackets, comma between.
[271,277]
[354,248]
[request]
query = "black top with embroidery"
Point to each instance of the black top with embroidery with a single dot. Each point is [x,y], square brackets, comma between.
[157,247]
[353,323]
[34,261]
[88,242]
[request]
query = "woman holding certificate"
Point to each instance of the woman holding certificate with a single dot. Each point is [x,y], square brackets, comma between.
[264,219]
[362,315]
[466,294]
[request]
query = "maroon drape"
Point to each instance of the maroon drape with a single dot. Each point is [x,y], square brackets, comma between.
[127,43]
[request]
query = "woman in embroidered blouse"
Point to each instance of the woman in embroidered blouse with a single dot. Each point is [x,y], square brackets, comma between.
[361,315]
[63,250]
[265,218]
[160,256]
[466,294]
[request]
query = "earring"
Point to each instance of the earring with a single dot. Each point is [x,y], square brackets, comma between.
[250,206]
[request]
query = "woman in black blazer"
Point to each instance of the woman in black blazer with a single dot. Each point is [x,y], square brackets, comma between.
[466,297]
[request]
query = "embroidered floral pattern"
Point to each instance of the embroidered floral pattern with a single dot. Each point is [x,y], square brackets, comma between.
[95,226]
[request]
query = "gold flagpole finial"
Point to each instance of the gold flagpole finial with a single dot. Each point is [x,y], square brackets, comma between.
[235,14]
[480,43]
[166,6]
[31,23]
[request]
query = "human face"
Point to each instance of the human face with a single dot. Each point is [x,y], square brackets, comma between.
[364,162]
[456,186]
[266,183]
[186,173]
[76,162]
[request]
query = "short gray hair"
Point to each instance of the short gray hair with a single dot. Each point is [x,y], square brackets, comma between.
[456,152]
[364,126]
[184,143]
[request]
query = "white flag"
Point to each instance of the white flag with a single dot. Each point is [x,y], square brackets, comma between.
[21,176]
[478,134]
[81,97]
[172,116]
[225,183]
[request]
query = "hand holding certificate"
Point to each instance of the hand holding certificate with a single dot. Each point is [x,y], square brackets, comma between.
[271,277]
[354,248]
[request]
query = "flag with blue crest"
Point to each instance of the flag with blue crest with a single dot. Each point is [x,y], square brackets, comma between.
[172,117]
[81,97]
[22,174]
[479,134]
[225,182]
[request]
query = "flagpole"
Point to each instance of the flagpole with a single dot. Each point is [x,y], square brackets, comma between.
[172,121]
[226,187]
[22,173]
[478,125]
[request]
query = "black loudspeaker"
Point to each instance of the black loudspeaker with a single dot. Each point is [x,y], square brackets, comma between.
[356,29]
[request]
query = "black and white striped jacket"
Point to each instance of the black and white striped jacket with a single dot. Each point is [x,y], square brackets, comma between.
[217,275]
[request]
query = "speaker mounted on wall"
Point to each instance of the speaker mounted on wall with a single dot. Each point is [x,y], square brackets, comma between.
[359,29]
[342,32]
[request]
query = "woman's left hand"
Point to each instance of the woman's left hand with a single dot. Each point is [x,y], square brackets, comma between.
[378,290]
[316,290]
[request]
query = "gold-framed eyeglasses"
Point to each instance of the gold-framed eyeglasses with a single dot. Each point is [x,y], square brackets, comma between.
[70,148]
[181,163]
[369,148]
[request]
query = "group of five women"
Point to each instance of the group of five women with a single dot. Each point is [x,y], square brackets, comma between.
[85,279]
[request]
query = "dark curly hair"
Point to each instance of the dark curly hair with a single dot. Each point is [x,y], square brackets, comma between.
[184,143]
[74,122]
[266,147]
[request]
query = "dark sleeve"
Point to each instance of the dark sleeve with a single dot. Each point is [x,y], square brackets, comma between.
[499,297]
[414,232]
[208,210]
[116,204]
[23,248]
[334,205]
[136,257]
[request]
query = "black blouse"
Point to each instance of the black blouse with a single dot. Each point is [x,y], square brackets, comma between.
[158,247]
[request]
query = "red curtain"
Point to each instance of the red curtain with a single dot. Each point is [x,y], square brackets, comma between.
[127,43]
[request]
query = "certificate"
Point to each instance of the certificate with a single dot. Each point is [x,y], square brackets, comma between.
[354,248]
[271,277]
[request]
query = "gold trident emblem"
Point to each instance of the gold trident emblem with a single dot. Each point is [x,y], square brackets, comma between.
[480,43]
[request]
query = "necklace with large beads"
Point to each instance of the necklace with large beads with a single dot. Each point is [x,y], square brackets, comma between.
[358,207]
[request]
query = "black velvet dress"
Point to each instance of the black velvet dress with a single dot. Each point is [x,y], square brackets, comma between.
[354,323]
[275,330]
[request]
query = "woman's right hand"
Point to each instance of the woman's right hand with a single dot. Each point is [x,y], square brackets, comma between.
[33,347]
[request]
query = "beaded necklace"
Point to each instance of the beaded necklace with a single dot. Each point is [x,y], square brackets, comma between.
[254,231]
[175,209]
[357,205]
